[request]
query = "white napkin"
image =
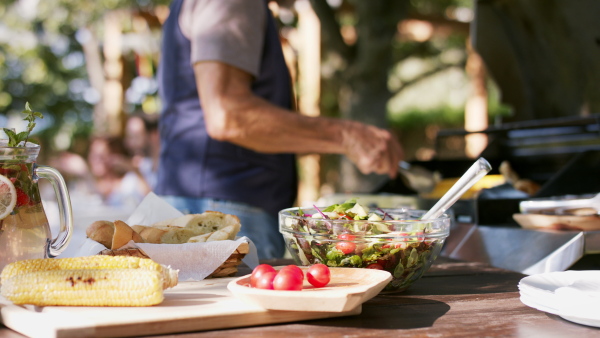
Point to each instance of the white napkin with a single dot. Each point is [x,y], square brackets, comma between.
[152,209]
[195,261]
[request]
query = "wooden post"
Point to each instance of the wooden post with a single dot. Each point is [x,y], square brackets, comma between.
[109,119]
[309,84]
[476,109]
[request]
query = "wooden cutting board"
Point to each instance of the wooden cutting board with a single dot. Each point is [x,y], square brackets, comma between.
[190,306]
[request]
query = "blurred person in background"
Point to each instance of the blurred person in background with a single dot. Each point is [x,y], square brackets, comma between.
[118,182]
[228,130]
[77,175]
[142,142]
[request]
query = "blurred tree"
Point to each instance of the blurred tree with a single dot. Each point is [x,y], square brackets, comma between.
[43,60]
[363,42]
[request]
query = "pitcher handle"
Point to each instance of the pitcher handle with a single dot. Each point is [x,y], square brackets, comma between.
[62,239]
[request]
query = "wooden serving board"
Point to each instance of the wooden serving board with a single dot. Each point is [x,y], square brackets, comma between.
[190,306]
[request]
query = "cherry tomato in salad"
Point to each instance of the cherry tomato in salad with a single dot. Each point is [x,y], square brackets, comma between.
[403,236]
[346,237]
[258,272]
[287,280]
[295,269]
[375,266]
[266,280]
[318,275]
[346,247]
[420,236]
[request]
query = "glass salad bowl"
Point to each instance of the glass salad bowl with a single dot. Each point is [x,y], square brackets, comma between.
[352,235]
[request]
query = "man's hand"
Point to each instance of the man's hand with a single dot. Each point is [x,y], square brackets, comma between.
[372,149]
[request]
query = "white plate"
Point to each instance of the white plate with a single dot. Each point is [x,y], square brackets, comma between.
[583,321]
[348,289]
[572,295]
[532,302]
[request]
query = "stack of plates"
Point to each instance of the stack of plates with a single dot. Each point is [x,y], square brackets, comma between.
[572,295]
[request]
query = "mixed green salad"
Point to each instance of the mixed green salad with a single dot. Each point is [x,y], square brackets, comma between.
[352,235]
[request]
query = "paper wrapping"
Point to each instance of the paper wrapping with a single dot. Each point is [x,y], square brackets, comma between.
[195,261]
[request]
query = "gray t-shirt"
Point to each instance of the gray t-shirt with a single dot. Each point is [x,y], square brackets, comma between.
[218,34]
[192,164]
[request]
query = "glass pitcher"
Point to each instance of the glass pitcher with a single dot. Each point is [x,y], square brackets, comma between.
[24,229]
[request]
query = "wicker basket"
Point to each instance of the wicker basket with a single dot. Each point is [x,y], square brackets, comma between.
[227,269]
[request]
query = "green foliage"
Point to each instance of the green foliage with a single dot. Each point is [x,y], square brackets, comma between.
[43,61]
[445,117]
[417,119]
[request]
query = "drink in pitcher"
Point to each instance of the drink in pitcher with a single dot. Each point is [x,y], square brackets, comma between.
[24,229]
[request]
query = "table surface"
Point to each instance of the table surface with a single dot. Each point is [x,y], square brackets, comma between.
[452,299]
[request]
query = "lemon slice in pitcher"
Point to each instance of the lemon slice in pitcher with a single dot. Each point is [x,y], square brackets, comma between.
[8,197]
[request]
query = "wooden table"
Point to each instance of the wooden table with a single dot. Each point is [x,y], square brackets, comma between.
[454,299]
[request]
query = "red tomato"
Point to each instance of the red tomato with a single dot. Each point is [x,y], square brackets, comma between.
[347,237]
[295,269]
[318,275]
[266,280]
[346,247]
[420,235]
[394,246]
[258,272]
[375,266]
[288,280]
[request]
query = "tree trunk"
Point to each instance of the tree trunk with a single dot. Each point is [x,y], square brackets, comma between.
[543,54]
[364,93]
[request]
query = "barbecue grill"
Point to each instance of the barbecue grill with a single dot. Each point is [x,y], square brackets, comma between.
[562,155]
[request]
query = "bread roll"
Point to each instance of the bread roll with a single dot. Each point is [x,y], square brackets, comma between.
[193,228]
[177,236]
[164,234]
[211,221]
[149,234]
[200,238]
[123,234]
[101,232]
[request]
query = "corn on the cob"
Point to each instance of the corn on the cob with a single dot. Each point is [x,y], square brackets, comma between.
[169,276]
[85,287]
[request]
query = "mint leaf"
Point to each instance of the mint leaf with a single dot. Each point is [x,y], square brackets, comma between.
[12,137]
[15,139]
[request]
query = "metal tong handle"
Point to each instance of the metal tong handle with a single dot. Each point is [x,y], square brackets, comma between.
[479,169]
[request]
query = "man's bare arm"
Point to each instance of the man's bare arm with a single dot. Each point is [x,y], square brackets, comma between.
[234,114]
